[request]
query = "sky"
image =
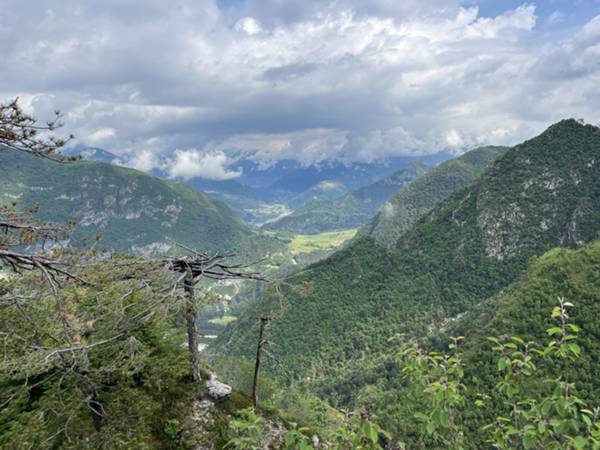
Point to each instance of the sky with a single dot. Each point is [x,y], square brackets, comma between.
[188,86]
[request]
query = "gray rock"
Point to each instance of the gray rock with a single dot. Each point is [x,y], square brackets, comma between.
[315,441]
[216,389]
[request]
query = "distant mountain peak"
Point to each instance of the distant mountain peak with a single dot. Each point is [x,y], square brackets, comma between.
[91,154]
[566,126]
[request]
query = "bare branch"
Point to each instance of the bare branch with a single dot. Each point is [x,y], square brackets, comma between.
[214,267]
[21,132]
[80,347]
[49,267]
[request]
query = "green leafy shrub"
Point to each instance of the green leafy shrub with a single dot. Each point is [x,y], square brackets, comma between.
[247,430]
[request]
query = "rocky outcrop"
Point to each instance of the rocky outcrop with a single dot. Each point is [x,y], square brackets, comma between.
[216,389]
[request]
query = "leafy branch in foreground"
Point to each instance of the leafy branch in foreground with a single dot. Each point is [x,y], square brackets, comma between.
[437,380]
[534,413]
[557,420]
[359,432]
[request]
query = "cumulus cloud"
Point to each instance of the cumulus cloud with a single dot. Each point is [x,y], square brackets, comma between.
[192,163]
[145,160]
[101,136]
[522,18]
[310,80]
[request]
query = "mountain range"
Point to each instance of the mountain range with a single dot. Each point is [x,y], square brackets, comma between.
[264,193]
[347,211]
[333,320]
[411,203]
[132,211]
[478,246]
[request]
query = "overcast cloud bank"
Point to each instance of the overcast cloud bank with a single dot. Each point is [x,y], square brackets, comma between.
[308,80]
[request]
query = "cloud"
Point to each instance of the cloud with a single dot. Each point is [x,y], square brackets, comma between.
[248,25]
[283,12]
[188,164]
[145,160]
[101,136]
[454,139]
[522,18]
[307,146]
[311,80]
[555,17]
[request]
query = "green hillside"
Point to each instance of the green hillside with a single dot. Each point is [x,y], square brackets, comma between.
[541,194]
[416,199]
[523,309]
[520,309]
[350,210]
[131,210]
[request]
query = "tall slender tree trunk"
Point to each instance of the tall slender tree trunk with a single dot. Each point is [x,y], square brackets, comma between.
[191,314]
[263,323]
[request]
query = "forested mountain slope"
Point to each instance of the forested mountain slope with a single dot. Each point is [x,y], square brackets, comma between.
[350,210]
[416,199]
[524,309]
[541,194]
[132,211]
[521,309]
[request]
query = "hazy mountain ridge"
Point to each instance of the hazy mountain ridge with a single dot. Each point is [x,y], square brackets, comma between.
[131,210]
[350,210]
[263,193]
[416,199]
[91,154]
[324,190]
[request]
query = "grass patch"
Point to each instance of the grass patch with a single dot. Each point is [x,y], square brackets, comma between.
[307,243]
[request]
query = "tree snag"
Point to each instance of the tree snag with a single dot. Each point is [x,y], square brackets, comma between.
[194,267]
[191,316]
[264,321]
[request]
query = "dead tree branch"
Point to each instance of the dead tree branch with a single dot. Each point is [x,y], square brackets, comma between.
[193,268]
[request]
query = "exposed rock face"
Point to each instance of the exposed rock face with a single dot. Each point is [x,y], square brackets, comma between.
[216,389]
[501,230]
[202,411]
[207,427]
